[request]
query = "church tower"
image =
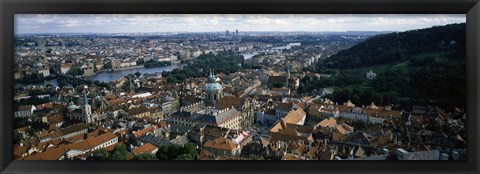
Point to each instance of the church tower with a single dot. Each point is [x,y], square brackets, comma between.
[287,76]
[86,109]
[213,89]
[132,87]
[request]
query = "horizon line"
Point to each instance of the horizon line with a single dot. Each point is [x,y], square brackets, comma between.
[182,32]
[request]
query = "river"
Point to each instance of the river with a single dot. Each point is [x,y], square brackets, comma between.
[108,76]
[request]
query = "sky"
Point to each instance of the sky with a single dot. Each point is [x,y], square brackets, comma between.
[148,23]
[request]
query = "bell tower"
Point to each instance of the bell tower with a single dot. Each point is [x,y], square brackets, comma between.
[86,109]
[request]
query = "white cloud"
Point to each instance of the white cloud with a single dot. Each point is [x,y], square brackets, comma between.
[105,23]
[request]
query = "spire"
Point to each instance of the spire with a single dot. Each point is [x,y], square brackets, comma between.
[85,100]
[211,77]
[132,88]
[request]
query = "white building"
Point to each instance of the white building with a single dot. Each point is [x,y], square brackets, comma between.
[371,75]
[44,72]
[25,111]
[92,144]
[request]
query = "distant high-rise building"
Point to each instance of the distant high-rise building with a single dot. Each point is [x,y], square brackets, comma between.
[227,33]
[236,32]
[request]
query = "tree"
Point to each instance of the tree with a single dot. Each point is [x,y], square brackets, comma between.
[108,66]
[301,89]
[138,74]
[188,156]
[144,156]
[377,98]
[31,131]
[162,153]
[359,125]
[434,126]
[140,61]
[21,122]
[75,71]
[119,152]
[101,154]
[176,152]
[277,85]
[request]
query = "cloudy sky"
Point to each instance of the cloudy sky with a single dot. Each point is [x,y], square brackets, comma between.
[133,23]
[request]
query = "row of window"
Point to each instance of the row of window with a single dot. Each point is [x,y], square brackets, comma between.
[106,144]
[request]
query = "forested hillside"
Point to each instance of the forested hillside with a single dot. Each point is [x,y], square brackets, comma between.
[425,66]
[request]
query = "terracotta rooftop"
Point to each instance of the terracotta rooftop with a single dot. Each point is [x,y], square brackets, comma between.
[118,101]
[48,105]
[144,131]
[294,116]
[285,106]
[25,107]
[55,119]
[221,143]
[146,148]
[92,142]
[328,122]
[229,101]
[73,128]
[138,110]
[53,153]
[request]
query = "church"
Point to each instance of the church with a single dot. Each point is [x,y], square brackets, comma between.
[213,90]
[84,113]
[215,109]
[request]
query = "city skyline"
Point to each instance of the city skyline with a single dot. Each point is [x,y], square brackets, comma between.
[151,23]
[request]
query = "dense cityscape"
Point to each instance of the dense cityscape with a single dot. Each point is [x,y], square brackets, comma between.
[230,95]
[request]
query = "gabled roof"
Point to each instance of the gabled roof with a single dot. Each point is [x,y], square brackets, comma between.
[328,122]
[138,110]
[92,142]
[277,79]
[294,116]
[25,107]
[144,131]
[229,101]
[74,128]
[146,148]
[221,143]
[227,115]
[50,154]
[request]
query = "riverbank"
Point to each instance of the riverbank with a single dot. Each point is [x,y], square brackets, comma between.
[124,68]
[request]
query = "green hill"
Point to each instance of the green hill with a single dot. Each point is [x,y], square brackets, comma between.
[425,66]
[401,46]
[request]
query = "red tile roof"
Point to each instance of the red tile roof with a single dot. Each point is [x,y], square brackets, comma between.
[146,148]
[221,143]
